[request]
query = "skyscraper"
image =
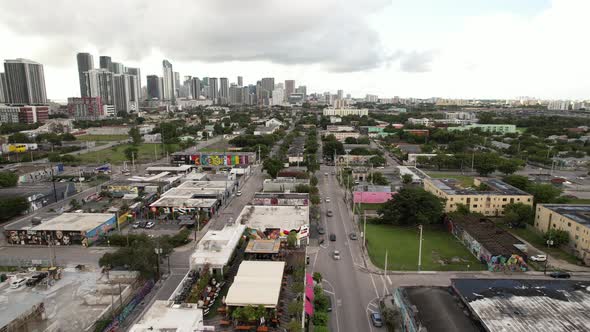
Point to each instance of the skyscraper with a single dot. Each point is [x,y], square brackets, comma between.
[137,73]
[3,89]
[26,82]
[235,94]
[85,63]
[117,68]
[278,96]
[302,89]
[340,94]
[153,87]
[224,90]
[213,90]
[168,77]
[268,84]
[126,92]
[176,83]
[99,83]
[289,88]
[105,62]
[246,95]
[240,81]
[196,88]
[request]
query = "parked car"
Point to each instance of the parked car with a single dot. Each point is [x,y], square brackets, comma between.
[376,319]
[136,225]
[150,224]
[142,224]
[336,255]
[321,230]
[36,278]
[332,237]
[353,236]
[560,275]
[327,199]
[16,283]
[239,193]
[329,303]
[329,213]
[539,258]
[326,174]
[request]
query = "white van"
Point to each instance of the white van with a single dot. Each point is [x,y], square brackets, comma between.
[16,283]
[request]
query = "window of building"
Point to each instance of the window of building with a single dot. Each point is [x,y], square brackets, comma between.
[569,224]
[474,205]
[504,199]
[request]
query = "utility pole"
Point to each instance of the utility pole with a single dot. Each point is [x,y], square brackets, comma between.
[365,230]
[420,250]
[472,161]
[385,261]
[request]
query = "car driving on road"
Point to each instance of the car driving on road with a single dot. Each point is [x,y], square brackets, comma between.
[560,275]
[321,230]
[150,224]
[327,199]
[332,237]
[353,236]
[336,255]
[329,213]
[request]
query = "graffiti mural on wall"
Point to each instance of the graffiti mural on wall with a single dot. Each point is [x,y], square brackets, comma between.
[55,238]
[514,263]
[218,159]
[120,318]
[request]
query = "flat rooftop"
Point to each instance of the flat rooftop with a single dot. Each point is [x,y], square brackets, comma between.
[180,168]
[216,247]
[496,240]
[257,283]
[372,188]
[496,187]
[74,222]
[287,180]
[167,201]
[195,150]
[206,184]
[438,310]
[579,213]
[282,217]
[162,316]
[263,246]
[527,305]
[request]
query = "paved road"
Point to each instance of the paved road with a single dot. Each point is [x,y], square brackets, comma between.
[352,289]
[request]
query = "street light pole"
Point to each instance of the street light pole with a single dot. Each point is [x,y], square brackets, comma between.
[420,250]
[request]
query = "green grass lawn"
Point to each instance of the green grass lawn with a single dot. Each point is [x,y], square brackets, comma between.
[402,246]
[116,155]
[367,206]
[465,180]
[580,201]
[535,239]
[101,138]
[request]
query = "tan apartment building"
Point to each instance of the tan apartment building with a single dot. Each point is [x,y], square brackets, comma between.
[489,201]
[572,218]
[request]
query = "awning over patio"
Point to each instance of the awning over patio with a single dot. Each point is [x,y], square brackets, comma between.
[308,308]
[309,280]
[309,293]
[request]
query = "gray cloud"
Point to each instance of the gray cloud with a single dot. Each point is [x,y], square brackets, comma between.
[416,62]
[331,33]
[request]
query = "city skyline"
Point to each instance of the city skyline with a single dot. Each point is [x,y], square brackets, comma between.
[500,50]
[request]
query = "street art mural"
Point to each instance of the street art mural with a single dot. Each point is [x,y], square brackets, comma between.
[276,233]
[219,159]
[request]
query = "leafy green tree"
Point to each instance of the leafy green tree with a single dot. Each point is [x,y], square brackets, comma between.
[558,236]
[406,179]
[8,179]
[320,318]
[378,178]
[272,166]
[350,140]
[332,147]
[292,240]
[544,193]
[302,188]
[518,214]
[519,181]
[313,181]
[412,206]
[294,325]
[377,161]
[131,153]
[315,199]
[486,163]
[13,206]
[317,277]
[135,136]
[508,166]
[18,138]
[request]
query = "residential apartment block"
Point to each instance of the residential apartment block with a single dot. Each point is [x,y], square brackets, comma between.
[346,111]
[487,196]
[572,218]
[491,128]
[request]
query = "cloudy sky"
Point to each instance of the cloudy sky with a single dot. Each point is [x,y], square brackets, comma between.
[417,48]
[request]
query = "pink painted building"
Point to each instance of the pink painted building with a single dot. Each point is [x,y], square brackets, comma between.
[372,194]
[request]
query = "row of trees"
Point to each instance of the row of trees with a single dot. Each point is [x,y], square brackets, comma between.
[485,163]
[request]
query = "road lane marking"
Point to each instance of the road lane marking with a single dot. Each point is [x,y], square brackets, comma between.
[374,286]
[389,279]
[335,309]
[327,291]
